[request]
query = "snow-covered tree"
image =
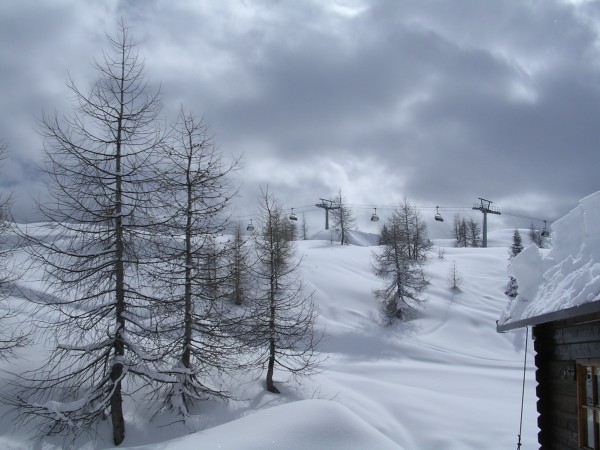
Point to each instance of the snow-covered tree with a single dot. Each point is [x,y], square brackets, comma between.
[511,288]
[384,235]
[284,316]
[191,273]
[460,231]
[466,233]
[100,166]
[399,262]
[473,233]
[342,218]
[517,244]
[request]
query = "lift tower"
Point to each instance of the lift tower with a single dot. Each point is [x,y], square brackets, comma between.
[327,205]
[485,207]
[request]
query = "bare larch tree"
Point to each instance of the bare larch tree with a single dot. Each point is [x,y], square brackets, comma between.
[342,218]
[191,270]
[399,262]
[239,267]
[101,171]
[284,316]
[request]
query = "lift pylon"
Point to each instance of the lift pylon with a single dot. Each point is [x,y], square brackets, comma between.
[327,205]
[485,207]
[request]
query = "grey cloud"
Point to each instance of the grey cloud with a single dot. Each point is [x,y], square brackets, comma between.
[443,101]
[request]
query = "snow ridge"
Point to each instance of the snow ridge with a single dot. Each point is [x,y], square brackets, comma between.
[565,276]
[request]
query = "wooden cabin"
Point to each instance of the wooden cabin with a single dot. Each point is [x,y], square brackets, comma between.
[567,347]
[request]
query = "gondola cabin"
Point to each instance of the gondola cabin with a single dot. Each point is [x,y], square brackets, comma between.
[438,216]
[545,232]
[374,216]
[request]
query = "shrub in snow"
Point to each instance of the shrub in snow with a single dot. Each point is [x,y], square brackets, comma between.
[441,252]
[454,278]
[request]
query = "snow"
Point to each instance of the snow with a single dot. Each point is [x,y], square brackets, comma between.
[443,380]
[565,276]
[354,237]
[301,425]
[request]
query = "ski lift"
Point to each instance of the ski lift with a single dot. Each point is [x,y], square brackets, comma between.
[293,216]
[545,232]
[375,217]
[250,227]
[438,216]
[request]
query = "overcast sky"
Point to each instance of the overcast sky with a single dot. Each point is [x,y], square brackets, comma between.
[440,102]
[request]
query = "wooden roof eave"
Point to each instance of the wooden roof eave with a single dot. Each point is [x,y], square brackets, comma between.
[561,314]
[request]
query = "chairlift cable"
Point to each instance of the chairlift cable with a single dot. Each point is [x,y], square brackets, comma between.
[439,209]
[522,216]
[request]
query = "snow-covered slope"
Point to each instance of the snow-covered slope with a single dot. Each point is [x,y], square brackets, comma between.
[444,380]
[301,425]
[354,237]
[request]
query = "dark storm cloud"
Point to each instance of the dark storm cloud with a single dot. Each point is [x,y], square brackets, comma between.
[440,101]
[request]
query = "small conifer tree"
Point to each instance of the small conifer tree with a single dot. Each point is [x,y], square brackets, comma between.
[454,278]
[517,245]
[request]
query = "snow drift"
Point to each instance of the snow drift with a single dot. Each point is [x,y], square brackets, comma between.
[307,424]
[355,237]
[566,276]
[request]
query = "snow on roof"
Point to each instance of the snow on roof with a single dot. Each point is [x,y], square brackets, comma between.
[567,276]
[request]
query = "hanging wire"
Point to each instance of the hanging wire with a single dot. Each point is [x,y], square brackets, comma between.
[522,216]
[383,207]
[523,390]
[419,207]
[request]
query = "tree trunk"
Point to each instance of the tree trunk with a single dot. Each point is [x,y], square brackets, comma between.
[116,406]
[116,400]
[187,339]
[273,286]
[270,386]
